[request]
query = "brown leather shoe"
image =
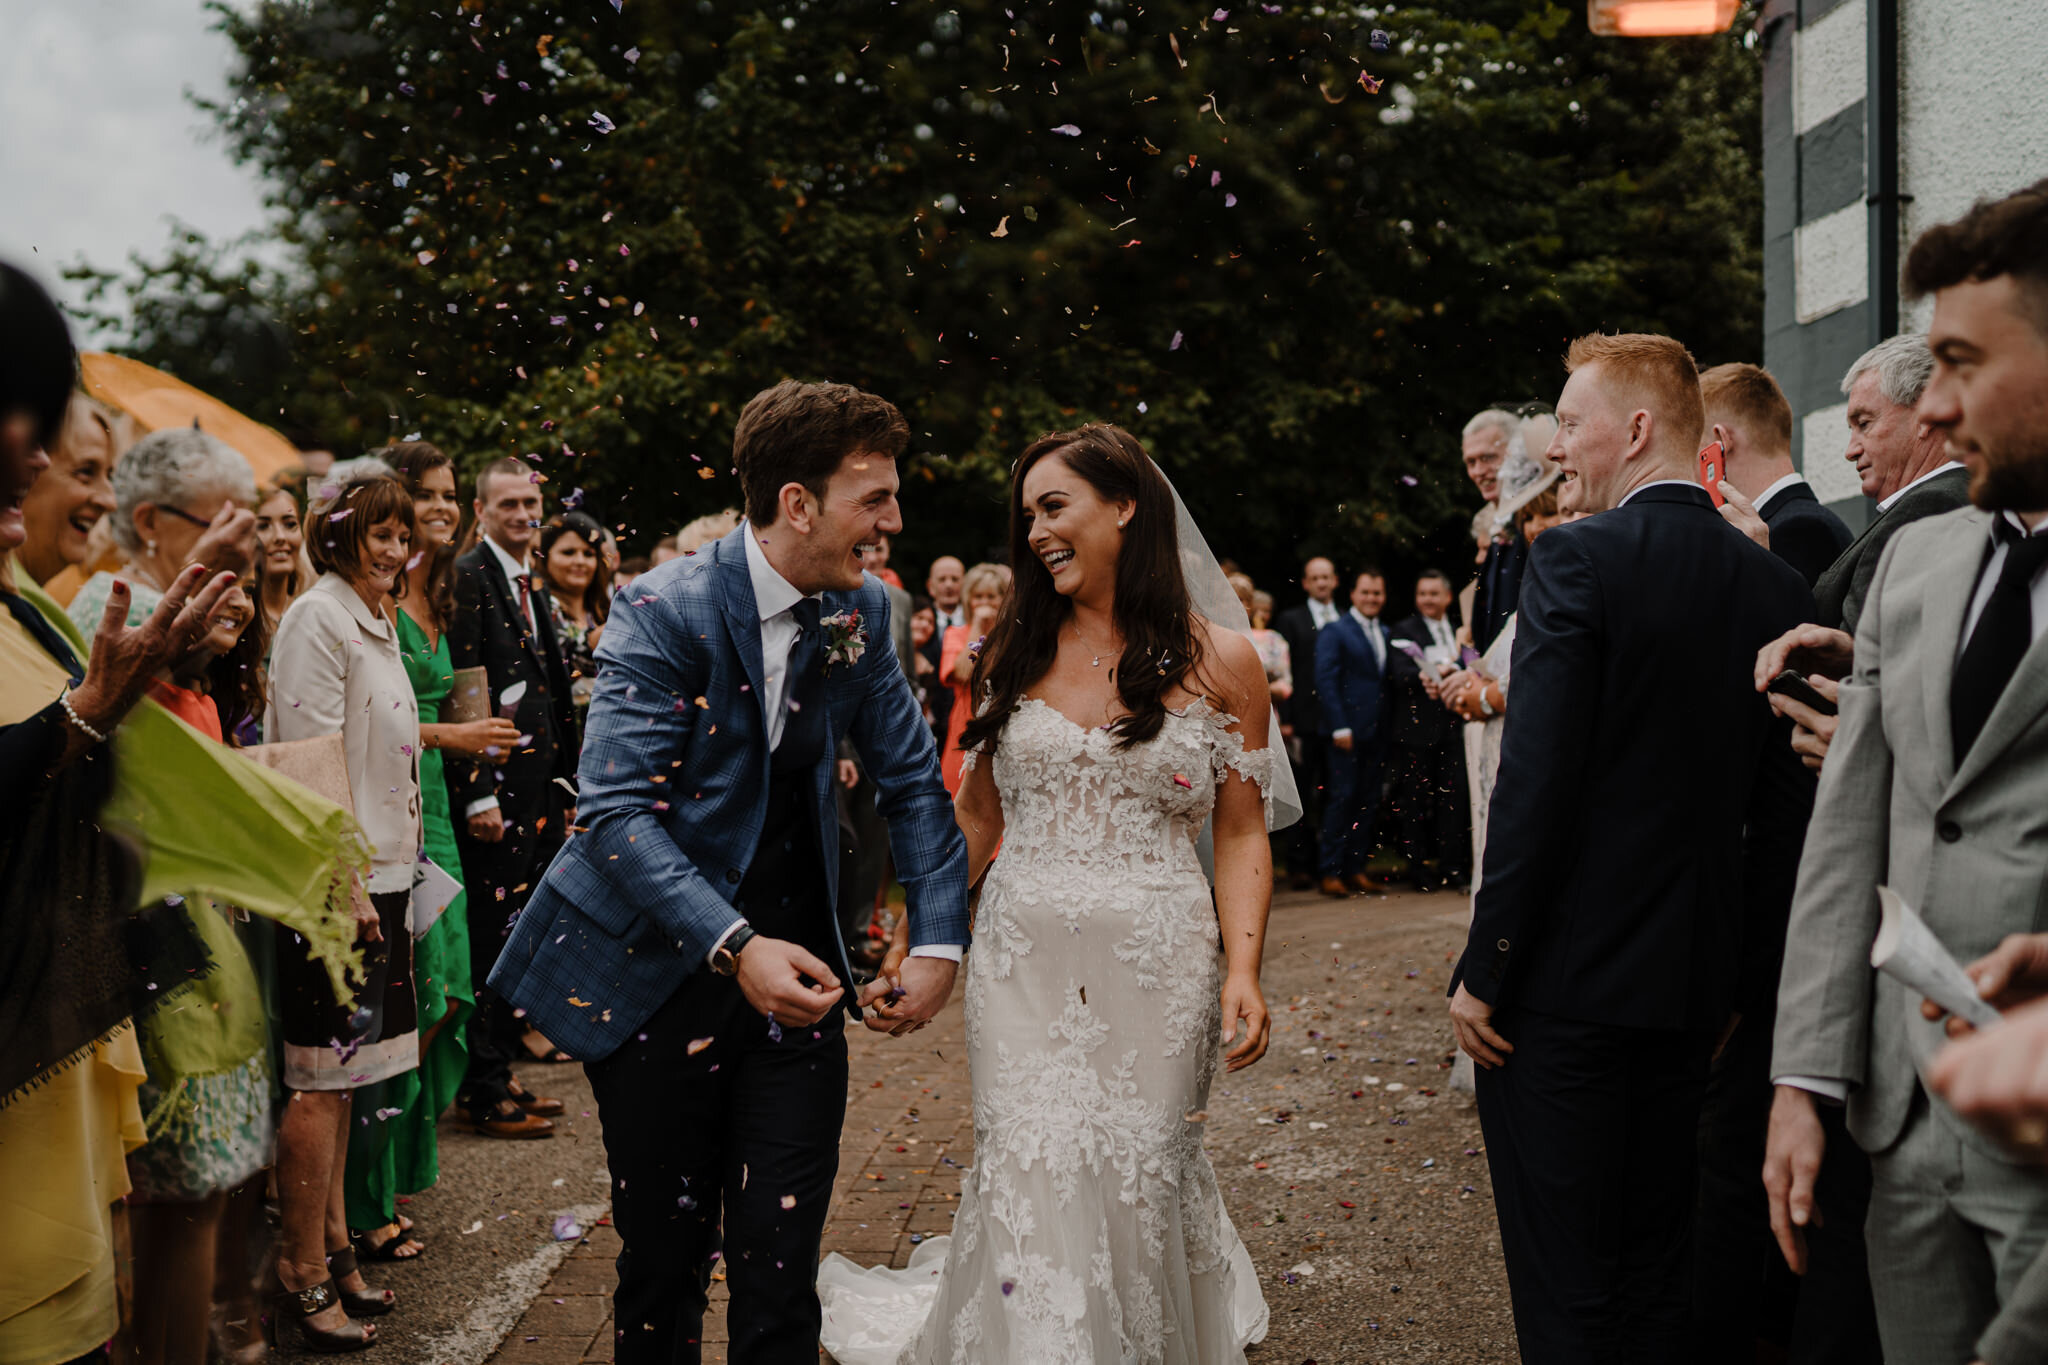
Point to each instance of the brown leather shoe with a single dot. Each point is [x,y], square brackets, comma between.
[1334,886]
[521,1126]
[540,1106]
[1362,884]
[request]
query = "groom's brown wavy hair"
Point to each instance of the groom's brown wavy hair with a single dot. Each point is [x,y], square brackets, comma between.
[1153,613]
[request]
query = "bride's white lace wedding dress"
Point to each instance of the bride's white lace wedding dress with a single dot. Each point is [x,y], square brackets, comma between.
[1090,1229]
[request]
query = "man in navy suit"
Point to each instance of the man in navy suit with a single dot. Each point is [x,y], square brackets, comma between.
[1747,413]
[1641,849]
[684,943]
[1351,670]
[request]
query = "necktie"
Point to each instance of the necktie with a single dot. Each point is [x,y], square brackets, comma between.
[803,686]
[525,582]
[2000,641]
[1372,637]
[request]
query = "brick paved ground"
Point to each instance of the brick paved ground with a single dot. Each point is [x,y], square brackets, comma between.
[1366,1207]
[907,1125]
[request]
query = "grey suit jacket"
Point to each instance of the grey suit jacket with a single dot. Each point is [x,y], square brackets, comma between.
[899,631]
[1964,841]
[1842,586]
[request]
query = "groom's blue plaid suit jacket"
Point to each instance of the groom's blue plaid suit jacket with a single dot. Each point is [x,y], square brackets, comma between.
[674,781]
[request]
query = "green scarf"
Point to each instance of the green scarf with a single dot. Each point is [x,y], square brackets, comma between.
[221,828]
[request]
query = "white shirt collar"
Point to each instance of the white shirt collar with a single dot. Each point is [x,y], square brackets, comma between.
[1658,483]
[773,594]
[512,567]
[1323,611]
[1369,622]
[1778,487]
[1884,504]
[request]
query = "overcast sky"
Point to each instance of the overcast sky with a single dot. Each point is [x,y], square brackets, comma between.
[100,149]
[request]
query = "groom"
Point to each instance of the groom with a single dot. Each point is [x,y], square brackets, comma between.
[684,940]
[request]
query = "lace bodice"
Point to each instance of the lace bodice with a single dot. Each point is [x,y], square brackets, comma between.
[1071,796]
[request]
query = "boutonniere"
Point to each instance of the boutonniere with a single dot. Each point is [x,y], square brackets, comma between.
[846,638]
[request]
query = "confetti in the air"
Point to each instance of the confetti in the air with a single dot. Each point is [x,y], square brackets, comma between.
[601,123]
[1068,130]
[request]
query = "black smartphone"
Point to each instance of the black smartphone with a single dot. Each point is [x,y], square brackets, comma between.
[1791,684]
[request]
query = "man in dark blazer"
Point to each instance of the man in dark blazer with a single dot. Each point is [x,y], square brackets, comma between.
[1747,413]
[1431,797]
[1485,445]
[1351,686]
[1641,848]
[1301,715]
[942,584]
[512,812]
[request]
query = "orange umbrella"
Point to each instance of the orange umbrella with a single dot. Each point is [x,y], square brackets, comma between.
[156,401]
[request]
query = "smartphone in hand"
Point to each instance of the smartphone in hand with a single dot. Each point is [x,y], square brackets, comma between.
[1792,684]
[1713,469]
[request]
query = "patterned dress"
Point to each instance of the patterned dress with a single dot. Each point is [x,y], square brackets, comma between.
[1090,1226]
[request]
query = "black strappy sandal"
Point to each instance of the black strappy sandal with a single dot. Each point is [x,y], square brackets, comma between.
[298,1306]
[360,1303]
[386,1251]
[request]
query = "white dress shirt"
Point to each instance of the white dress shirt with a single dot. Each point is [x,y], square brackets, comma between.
[955,617]
[775,599]
[1791,480]
[1375,637]
[512,569]
[1829,1087]
[1884,504]
[1322,613]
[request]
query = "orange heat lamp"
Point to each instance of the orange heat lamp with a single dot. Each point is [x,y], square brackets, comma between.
[1659,18]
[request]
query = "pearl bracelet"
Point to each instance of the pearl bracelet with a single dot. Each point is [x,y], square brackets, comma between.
[64,700]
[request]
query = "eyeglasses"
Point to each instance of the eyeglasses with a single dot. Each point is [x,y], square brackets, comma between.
[203,523]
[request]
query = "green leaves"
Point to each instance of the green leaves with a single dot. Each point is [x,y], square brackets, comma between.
[793,188]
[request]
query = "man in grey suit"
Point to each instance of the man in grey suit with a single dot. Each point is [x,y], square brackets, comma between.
[1937,785]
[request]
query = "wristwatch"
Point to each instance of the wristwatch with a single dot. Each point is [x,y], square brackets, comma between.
[725,958]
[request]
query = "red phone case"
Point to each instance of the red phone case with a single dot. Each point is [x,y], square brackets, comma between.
[1712,472]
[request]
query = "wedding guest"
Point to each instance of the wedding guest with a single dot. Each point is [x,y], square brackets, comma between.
[82,961]
[942,584]
[704,530]
[1934,786]
[579,588]
[1634,854]
[1427,748]
[1477,694]
[511,810]
[1271,645]
[282,569]
[1905,464]
[1747,414]
[1301,716]
[71,497]
[664,550]
[208,1060]
[1485,440]
[984,587]
[631,567]
[924,628]
[180,497]
[397,1153]
[338,669]
[878,564]
[1351,683]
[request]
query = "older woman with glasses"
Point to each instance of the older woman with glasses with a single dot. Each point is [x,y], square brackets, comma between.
[181,497]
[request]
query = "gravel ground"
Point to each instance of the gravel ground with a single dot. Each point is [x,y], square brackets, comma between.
[1354,1173]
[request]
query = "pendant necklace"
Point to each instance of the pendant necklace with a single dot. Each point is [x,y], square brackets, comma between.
[1095,660]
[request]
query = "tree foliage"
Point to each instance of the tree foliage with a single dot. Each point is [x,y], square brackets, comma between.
[589,234]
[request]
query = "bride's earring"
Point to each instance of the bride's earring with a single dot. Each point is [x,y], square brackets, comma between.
[1120,524]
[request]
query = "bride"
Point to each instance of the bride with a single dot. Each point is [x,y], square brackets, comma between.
[1121,713]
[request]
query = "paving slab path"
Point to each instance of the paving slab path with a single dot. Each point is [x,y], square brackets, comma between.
[1353,1171]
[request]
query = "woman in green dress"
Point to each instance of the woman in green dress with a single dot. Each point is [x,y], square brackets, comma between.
[394,1152]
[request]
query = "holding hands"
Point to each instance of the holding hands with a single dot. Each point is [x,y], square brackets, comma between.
[907,992]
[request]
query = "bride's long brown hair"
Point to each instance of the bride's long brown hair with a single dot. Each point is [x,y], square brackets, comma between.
[1151,608]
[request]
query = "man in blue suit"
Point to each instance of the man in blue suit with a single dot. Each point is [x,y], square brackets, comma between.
[684,943]
[1351,668]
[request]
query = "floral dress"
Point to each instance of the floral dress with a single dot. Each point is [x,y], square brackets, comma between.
[1090,1227]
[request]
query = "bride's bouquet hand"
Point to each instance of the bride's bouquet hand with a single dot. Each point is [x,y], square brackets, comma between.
[1242,999]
